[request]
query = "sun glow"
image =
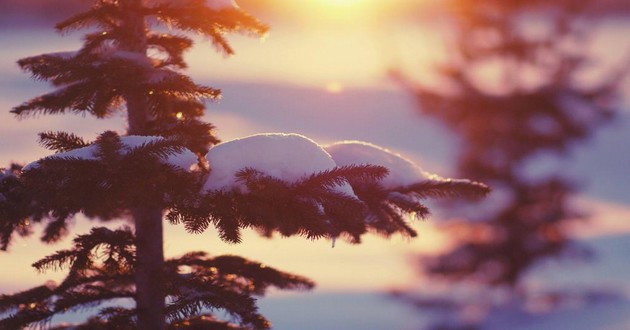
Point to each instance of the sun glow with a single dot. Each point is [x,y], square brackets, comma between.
[342,2]
[336,13]
[339,10]
[324,12]
[334,87]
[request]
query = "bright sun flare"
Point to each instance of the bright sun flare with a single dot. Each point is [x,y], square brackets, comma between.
[334,11]
[342,2]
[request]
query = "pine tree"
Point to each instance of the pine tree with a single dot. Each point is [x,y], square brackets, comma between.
[131,61]
[503,131]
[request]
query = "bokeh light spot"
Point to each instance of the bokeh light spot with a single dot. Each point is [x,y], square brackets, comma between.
[334,87]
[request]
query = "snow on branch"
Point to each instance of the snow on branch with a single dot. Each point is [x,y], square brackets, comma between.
[405,177]
[102,180]
[402,172]
[402,191]
[274,183]
[289,184]
[179,157]
[288,157]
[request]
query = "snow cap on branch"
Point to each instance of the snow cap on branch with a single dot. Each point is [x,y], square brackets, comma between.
[6,172]
[184,160]
[289,157]
[402,172]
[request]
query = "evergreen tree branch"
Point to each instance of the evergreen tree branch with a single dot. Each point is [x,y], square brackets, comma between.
[408,204]
[340,176]
[204,321]
[156,150]
[173,45]
[191,133]
[102,14]
[24,298]
[196,16]
[15,206]
[446,188]
[61,141]
[81,257]
[224,282]
[77,97]
[60,68]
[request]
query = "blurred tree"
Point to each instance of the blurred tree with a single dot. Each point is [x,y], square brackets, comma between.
[131,61]
[516,94]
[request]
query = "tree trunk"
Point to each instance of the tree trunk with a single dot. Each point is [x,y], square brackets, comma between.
[148,219]
[149,268]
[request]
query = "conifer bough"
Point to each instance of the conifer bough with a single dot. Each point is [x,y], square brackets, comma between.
[160,167]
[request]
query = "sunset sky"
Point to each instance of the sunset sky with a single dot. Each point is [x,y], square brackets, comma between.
[331,47]
[322,72]
[337,48]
